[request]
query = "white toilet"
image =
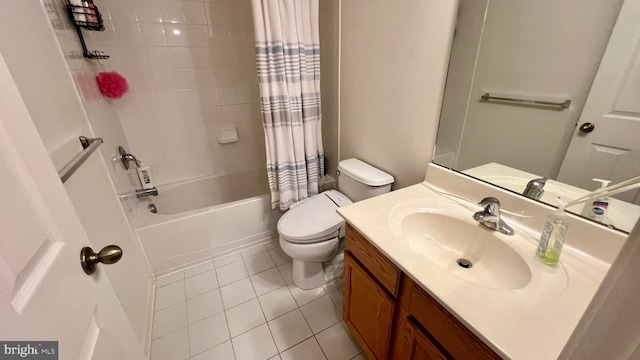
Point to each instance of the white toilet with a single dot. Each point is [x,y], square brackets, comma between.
[311,231]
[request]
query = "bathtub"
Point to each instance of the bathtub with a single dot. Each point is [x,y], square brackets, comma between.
[205,218]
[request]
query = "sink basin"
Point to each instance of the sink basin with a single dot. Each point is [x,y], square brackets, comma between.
[444,233]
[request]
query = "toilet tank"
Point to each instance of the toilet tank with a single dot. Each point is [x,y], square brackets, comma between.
[359,180]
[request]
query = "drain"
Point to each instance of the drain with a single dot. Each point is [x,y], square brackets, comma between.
[464,263]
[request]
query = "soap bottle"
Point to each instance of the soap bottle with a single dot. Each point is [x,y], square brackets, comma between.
[553,235]
[597,208]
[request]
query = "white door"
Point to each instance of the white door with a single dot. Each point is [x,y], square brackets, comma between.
[611,150]
[44,293]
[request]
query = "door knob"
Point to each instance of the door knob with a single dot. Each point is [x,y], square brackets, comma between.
[108,255]
[587,128]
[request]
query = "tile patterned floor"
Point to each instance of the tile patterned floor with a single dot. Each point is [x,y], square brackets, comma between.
[245,307]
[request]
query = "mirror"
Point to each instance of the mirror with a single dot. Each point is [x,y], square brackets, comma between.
[523,77]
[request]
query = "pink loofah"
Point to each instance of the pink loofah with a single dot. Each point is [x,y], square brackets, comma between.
[112,84]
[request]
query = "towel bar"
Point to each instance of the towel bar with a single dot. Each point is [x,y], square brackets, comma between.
[88,146]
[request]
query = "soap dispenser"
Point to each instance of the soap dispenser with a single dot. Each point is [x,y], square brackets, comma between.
[597,208]
[553,235]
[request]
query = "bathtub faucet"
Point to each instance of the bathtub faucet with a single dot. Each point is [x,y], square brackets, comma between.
[140,193]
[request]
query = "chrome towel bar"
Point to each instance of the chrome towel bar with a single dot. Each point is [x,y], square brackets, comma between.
[565,104]
[88,146]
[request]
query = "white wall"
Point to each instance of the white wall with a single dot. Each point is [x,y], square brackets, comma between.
[394,59]
[533,49]
[38,66]
[610,327]
[329,69]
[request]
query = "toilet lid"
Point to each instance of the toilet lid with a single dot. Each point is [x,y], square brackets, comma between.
[313,219]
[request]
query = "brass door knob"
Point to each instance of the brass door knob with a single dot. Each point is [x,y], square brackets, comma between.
[587,128]
[108,255]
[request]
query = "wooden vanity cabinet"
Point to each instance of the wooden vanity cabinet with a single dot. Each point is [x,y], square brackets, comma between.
[394,318]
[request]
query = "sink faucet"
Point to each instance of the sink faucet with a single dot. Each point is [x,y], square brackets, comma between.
[490,216]
[534,188]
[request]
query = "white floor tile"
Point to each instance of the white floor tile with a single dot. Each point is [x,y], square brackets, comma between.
[201,283]
[169,320]
[244,317]
[256,344]
[174,346]
[198,269]
[237,293]
[320,314]
[277,357]
[267,281]
[305,296]
[223,351]
[231,273]
[334,285]
[203,306]
[258,263]
[208,333]
[337,343]
[279,257]
[253,251]
[307,350]
[289,329]
[273,244]
[226,260]
[169,279]
[337,299]
[277,302]
[169,295]
[285,271]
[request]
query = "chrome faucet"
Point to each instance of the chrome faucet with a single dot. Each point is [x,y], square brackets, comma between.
[534,188]
[140,193]
[125,158]
[490,216]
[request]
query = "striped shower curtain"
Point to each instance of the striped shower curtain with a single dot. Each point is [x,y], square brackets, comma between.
[288,61]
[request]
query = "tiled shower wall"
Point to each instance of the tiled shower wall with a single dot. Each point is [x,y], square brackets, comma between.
[191,71]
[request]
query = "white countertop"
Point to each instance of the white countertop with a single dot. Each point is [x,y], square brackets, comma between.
[533,322]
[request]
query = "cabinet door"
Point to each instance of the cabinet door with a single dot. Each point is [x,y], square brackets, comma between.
[368,310]
[422,347]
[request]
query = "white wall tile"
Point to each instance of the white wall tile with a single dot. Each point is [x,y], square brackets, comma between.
[194,12]
[181,57]
[171,11]
[177,34]
[146,10]
[153,34]
[198,35]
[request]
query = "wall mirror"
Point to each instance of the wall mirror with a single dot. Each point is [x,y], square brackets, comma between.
[546,89]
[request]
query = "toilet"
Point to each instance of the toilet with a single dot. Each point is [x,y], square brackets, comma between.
[311,231]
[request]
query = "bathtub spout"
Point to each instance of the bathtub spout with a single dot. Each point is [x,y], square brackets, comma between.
[140,193]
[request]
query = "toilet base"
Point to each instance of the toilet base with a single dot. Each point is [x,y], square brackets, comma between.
[307,275]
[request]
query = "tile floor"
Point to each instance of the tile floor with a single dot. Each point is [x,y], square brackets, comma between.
[245,306]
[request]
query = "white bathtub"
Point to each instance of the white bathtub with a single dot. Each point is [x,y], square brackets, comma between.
[206,218]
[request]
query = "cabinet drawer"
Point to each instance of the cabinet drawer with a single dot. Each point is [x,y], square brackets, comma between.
[446,329]
[377,264]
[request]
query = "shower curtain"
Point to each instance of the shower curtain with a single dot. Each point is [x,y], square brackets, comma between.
[288,61]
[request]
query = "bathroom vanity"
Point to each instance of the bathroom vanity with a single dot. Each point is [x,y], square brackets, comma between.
[407,297]
[392,317]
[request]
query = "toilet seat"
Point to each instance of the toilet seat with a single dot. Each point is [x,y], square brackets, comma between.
[315,219]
